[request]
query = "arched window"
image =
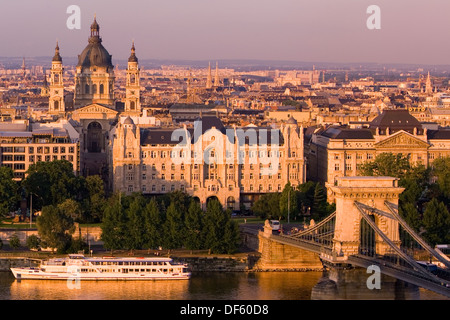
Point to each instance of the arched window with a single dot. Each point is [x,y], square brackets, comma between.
[102,88]
[86,88]
[56,105]
[132,105]
[94,89]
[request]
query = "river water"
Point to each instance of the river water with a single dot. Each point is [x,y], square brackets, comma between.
[201,286]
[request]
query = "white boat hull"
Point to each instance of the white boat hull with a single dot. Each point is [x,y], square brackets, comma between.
[36,274]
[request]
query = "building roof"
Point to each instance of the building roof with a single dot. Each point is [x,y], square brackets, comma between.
[347,133]
[95,54]
[395,120]
[440,134]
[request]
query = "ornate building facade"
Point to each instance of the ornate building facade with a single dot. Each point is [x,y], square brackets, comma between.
[234,165]
[338,151]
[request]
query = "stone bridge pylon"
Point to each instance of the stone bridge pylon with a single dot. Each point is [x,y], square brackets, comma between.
[370,193]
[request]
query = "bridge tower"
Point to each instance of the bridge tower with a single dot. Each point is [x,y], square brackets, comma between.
[370,192]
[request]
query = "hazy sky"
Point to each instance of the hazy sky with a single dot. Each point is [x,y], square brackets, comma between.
[412,31]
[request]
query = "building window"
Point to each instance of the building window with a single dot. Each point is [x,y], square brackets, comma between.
[369,156]
[279,187]
[153,188]
[172,187]
[130,188]
[163,188]
[348,166]
[144,176]
[336,167]
[163,176]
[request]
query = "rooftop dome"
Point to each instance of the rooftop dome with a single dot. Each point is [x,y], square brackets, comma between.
[133,57]
[57,56]
[128,120]
[95,55]
[291,120]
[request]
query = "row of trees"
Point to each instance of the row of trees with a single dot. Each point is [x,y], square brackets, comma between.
[308,199]
[172,221]
[425,202]
[51,184]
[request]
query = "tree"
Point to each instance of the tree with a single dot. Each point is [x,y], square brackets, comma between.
[436,222]
[267,206]
[97,198]
[136,223]
[33,242]
[54,182]
[8,191]
[231,237]
[441,169]
[193,222]
[387,165]
[55,228]
[71,208]
[215,221]
[152,224]
[14,241]
[114,226]
[411,215]
[173,227]
[288,202]
[320,205]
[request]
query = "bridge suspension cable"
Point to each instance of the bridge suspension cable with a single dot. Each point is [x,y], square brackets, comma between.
[394,210]
[362,209]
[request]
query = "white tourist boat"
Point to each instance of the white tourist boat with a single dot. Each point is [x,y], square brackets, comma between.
[77,266]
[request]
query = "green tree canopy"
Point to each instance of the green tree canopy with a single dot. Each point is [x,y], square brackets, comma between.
[153,225]
[114,226]
[173,227]
[436,222]
[9,195]
[54,182]
[267,206]
[55,228]
[288,202]
[441,170]
[193,222]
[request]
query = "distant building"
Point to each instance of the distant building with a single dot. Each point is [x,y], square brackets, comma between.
[339,151]
[23,144]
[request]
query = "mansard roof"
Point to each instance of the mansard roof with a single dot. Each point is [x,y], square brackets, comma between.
[396,120]
[154,136]
[335,132]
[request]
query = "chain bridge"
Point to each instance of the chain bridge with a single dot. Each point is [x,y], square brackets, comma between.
[367,230]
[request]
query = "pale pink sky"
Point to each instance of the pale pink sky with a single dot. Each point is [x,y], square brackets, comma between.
[412,31]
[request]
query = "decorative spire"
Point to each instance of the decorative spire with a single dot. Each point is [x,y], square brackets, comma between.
[95,28]
[57,56]
[133,57]
[216,76]
[209,79]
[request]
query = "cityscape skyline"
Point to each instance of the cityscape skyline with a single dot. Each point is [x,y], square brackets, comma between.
[285,31]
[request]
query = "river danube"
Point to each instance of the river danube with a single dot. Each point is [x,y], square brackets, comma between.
[202,286]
